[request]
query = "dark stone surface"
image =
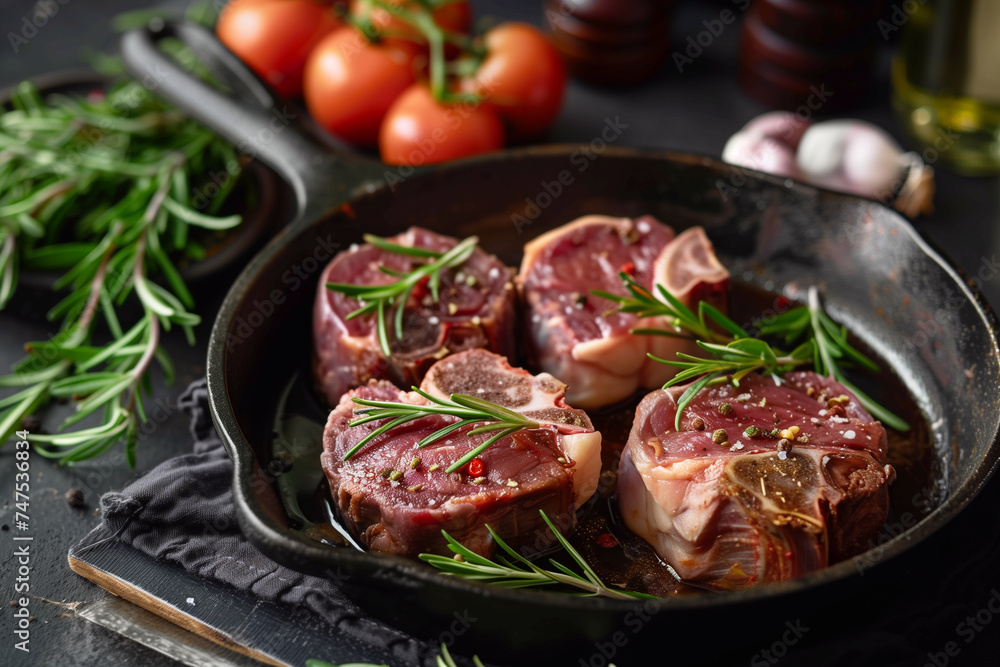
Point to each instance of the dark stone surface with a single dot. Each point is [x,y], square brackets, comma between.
[695,110]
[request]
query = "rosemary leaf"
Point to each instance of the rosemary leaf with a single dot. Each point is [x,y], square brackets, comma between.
[469,410]
[510,569]
[383,299]
[823,345]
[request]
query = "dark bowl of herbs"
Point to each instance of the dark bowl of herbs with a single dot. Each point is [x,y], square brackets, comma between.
[114,205]
[94,127]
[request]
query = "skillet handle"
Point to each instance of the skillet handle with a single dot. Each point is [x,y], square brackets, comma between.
[249,114]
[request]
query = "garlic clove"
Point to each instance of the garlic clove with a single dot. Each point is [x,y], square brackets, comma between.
[851,155]
[761,154]
[820,154]
[784,126]
[848,155]
[767,143]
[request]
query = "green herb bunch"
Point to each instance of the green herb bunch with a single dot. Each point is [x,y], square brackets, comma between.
[99,189]
[470,410]
[732,353]
[510,569]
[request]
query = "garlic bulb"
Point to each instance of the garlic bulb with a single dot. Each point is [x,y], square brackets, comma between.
[847,155]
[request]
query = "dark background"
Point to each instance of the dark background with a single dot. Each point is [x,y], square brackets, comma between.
[695,111]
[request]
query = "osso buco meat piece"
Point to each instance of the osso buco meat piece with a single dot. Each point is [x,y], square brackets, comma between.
[476,308]
[576,336]
[397,499]
[762,483]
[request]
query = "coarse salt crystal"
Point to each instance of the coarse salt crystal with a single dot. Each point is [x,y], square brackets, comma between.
[494,273]
[643,227]
[433,320]
[822,412]
[782,455]
[850,435]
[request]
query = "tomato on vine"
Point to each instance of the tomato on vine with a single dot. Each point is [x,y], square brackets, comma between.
[454,16]
[522,77]
[350,83]
[275,37]
[421,130]
[406,75]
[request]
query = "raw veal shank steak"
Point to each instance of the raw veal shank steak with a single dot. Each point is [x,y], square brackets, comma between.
[729,509]
[575,335]
[397,499]
[476,309]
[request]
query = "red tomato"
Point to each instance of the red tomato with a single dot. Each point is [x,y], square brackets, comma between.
[350,83]
[452,16]
[274,37]
[522,77]
[419,130]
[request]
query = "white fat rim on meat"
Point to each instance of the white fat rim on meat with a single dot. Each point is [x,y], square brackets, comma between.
[585,450]
[582,448]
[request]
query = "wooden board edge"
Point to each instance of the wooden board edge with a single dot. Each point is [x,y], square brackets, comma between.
[126,591]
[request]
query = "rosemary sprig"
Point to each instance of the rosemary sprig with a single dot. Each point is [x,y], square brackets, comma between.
[686,323]
[442,660]
[469,410]
[822,344]
[512,570]
[379,300]
[731,363]
[101,188]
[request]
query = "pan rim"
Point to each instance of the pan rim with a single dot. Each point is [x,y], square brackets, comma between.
[264,533]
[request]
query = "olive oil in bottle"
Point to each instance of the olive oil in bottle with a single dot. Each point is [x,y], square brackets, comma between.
[946,81]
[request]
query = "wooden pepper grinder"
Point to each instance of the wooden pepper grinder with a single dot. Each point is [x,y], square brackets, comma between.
[816,54]
[610,42]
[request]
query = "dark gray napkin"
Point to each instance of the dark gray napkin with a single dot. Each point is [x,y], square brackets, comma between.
[182,512]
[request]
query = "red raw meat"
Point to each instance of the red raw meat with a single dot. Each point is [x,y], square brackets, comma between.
[393,505]
[476,309]
[731,510]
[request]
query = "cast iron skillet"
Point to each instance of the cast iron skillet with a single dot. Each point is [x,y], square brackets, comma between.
[878,276]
